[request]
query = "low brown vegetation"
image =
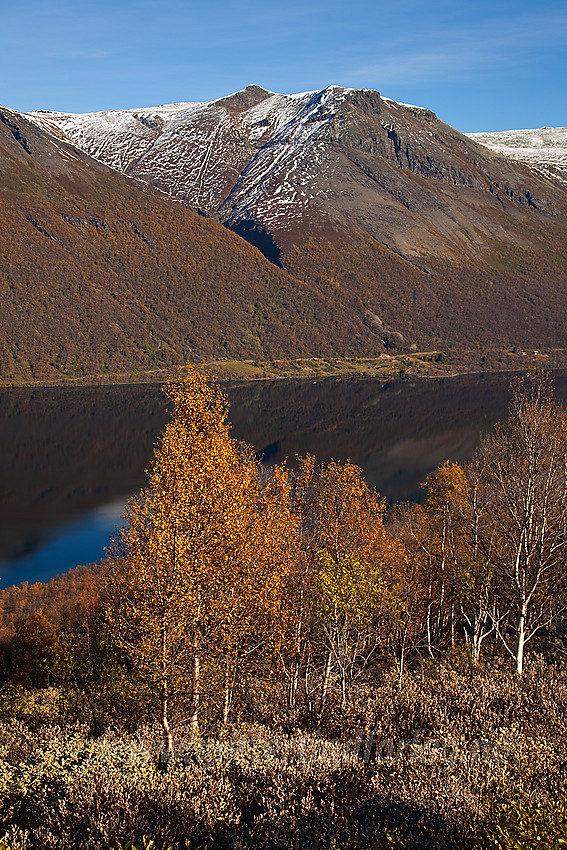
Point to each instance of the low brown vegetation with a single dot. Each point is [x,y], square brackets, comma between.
[479,736]
[438,305]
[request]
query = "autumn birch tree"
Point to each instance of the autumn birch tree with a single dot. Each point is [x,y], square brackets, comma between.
[296,650]
[524,484]
[171,561]
[347,585]
[250,611]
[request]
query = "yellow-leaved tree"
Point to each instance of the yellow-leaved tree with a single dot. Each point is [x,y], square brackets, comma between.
[195,563]
[250,611]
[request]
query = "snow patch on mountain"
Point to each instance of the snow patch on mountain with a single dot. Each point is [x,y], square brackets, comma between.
[288,172]
[200,152]
[396,103]
[273,159]
[117,138]
[544,149]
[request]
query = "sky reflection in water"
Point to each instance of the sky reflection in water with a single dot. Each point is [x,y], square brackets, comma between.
[73,455]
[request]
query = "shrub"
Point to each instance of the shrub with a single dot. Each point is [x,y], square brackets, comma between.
[523,822]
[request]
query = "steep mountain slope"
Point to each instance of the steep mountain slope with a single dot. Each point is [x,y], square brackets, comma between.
[100,275]
[386,230]
[275,167]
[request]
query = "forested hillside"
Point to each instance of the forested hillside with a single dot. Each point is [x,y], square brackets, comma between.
[379,230]
[102,277]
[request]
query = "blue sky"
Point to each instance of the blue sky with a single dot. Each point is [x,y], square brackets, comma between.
[479,66]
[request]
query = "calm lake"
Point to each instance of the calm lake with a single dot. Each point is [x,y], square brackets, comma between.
[73,456]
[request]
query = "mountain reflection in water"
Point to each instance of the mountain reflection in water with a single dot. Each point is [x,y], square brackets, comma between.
[72,456]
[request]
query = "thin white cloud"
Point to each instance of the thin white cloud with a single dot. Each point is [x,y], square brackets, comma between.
[455,51]
[77,53]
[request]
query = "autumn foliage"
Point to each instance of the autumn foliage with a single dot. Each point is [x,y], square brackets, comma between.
[303,660]
[225,571]
[199,568]
[235,590]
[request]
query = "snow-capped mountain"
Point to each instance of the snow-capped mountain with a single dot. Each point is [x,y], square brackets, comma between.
[391,230]
[99,274]
[195,151]
[544,150]
[317,162]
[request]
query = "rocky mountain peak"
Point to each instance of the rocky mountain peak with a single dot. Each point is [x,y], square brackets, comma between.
[252,95]
[285,165]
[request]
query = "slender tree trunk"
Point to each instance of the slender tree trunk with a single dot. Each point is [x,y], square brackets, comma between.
[439,618]
[442,570]
[167,736]
[164,707]
[293,684]
[308,690]
[452,624]
[294,673]
[343,687]
[226,698]
[476,640]
[194,718]
[520,639]
[401,670]
[229,681]
[478,636]
[325,683]
[428,620]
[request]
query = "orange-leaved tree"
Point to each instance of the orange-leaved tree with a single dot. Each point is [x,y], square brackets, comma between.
[353,555]
[249,614]
[445,505]
[182,560]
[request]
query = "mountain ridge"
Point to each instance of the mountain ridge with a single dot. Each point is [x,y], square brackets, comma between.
[273,166]
[101,275]
[543,149]
[379,229]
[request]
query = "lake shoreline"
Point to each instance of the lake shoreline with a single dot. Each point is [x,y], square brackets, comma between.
[402,367]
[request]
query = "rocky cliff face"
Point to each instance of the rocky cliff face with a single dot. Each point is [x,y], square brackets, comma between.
[275,167]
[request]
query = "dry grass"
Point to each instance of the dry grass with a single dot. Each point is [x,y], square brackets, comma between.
[448,740]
